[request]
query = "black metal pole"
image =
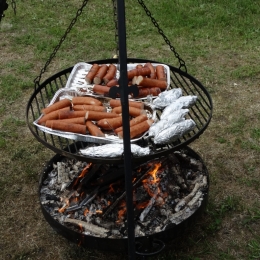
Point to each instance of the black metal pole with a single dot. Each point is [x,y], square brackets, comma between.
[123,84]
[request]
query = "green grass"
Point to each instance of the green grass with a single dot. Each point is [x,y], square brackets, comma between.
[217,213]
[219,42]
[254,248]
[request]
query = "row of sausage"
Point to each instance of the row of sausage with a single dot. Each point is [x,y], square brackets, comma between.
[150,79]
[87,115]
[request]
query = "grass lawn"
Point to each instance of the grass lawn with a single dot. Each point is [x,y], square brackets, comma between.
[220,44]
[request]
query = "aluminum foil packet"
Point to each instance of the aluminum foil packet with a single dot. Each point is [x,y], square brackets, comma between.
[174,132]
[166,98]
[182,102]
[113,150]
[175,117]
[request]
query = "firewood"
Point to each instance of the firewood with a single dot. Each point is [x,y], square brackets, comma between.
[88,227]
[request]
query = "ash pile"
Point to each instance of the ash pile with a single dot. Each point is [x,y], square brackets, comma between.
[91,199]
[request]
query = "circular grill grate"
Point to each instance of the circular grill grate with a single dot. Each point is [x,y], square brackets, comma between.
[201,113]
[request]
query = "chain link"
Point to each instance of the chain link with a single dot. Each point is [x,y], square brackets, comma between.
[181,61]
[13,3]
[116,27]
[38,78]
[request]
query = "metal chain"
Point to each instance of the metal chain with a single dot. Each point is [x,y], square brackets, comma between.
[38,78]
[181,61]
[13,3]
[116,27]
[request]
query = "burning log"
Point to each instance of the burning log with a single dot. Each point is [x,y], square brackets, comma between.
[84,202]
[124,194]
[186,199]
[90,174]
[114,205]
[102,232]
[148,208]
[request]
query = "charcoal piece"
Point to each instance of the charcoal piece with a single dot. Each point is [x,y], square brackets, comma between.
[109,178]
[52,197]
[90,174]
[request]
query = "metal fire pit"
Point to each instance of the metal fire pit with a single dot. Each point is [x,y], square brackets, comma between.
[146,245]
[201,113]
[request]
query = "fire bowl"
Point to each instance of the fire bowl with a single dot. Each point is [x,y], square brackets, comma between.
[145,242]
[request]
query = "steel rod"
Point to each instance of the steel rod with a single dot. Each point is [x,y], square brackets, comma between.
[123,85]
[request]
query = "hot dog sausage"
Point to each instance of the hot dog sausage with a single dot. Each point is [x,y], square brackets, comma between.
[145,71]
[86,101]
[151,83]
[91,74]
[76,120]
[56,106]
[144,92]
[67,127]
[160,73]
[93,129]
[132,122]
[138,129]
[71,114]
[112,82]
[111,73]
[110,123]
[89,108]
[133,111]
[153,74]
[100,74]
[100,89]
[52,115]
[117,103]
[95,115]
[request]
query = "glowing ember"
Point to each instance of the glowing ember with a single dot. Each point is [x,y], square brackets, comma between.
[63,208]
[82,174]
[86,211]
[142,205]
[121,214]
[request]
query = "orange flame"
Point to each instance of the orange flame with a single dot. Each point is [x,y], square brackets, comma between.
[155,179]
[142,205]
[111,189]
[62,209]
[86,211]
[121,212]
[82,174]
[120,216]
[153,173]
